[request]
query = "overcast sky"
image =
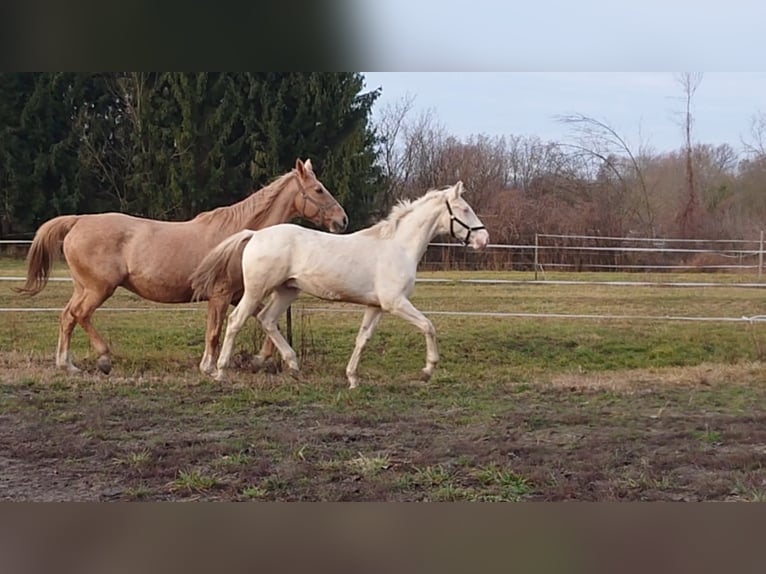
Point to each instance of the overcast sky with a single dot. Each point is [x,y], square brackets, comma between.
[592,36]
[548,35]
[644,107]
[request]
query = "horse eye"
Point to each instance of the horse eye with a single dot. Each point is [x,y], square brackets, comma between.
[319,190]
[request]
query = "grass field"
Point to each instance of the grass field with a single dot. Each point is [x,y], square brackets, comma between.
[520,408]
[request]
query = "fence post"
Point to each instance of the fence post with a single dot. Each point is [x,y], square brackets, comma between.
[289,326]
[536,257]
[760,257]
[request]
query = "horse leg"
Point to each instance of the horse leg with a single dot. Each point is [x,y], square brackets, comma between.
[82,311]
[216,313]
[281,299]
[267,348]
[246,307]
[266,352]
[66,326]
[407,311]
[370,321]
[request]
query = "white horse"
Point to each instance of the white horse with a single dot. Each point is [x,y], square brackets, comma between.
[374,267]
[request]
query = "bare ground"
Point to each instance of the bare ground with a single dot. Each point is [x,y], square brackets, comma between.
[696,433]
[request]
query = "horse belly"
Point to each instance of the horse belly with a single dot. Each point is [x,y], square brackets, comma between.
[337,288]
[155,289]
[160,279]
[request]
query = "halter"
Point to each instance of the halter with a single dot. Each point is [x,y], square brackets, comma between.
[453,219]
[307,198]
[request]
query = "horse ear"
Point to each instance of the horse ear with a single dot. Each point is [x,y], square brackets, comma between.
[459,189]
[308,165]
[300,167]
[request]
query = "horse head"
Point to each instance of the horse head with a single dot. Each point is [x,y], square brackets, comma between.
[314,203]
[464,225]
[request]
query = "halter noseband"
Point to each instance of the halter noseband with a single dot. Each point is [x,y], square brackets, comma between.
[453,219]
[306,198]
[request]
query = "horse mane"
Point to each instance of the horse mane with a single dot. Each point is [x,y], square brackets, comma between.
[253,208]
[387,227]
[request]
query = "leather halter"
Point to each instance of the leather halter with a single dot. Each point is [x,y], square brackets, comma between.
[454,219]
[321,207]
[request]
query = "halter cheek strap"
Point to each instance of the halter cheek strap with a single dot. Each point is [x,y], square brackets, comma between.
[307,199]
[454,219]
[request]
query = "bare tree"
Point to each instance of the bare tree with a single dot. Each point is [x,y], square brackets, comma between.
[529,159]
[598,140]
[391,127]
[423,161]
[756,145]
[112,137]
[688,218]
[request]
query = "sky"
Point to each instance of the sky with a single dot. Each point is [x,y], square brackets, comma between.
[548,35]
[523,57]
[645,108]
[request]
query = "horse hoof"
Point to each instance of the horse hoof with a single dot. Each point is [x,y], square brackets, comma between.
[71,369]
[220,376]
[425,376]
[104,364]
[295,374]
[207,370]
[270,367]
[266,365]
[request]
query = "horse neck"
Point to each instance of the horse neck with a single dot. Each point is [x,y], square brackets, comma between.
[418,228]
[273,204]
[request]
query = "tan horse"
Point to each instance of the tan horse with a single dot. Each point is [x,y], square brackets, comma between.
[154,259]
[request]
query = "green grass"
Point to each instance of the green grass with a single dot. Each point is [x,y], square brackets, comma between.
[136,459]
[369,465]
[254,492]
[524,408]
[173,337]
[193,481]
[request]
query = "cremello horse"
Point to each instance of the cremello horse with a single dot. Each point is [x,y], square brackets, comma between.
[154,259]
[373,267]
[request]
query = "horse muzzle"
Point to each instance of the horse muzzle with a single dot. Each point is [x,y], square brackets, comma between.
[479,239]
[339,224]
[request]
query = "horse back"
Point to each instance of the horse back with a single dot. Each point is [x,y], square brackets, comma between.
[150,258]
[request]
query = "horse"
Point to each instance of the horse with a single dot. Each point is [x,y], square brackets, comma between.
[374,267]
[154,259]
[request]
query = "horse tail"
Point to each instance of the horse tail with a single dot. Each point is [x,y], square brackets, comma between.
[45,247]
[221,269]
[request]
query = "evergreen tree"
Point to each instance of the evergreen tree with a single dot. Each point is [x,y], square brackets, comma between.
[318,115]
[169,145]
[39,174]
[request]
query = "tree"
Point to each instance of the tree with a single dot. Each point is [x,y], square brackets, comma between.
[113,121]
[15,159]
[599,141]
[756,145]
[324,116]
[39,167]
[169,145]
[689,217]
[390,129]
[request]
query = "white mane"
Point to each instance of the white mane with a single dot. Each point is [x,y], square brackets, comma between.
[387,227]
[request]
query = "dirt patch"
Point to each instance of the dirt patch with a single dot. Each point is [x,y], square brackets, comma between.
[638,379]
[675,434]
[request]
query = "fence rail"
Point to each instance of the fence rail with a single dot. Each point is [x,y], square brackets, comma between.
[588,253]
[600,253]
[539,257]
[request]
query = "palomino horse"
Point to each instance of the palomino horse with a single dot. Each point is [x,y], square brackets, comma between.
[373,267]
[154,259]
